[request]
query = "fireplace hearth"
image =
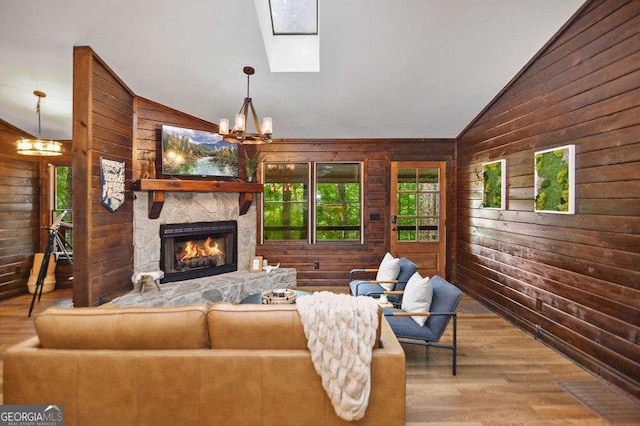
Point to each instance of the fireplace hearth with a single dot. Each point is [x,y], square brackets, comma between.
[195,250]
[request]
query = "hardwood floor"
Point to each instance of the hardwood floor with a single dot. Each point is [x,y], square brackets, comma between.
[504,375]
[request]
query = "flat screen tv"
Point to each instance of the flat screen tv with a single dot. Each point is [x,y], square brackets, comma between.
[197,153]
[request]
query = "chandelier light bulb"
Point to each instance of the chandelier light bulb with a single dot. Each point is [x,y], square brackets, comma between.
[267,125]
[240,124]
[223,129]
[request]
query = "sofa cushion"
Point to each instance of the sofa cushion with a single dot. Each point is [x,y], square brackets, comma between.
[253,326]
[181,327]
[248,326]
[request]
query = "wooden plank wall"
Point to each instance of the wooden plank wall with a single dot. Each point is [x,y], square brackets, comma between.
[337,259]
[24,209]
[572,280]
[19,220]
[150,116]
[102,127]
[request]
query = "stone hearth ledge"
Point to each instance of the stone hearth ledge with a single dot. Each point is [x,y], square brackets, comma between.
[230,287]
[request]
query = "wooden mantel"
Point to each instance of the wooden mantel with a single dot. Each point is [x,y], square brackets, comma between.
[158,187]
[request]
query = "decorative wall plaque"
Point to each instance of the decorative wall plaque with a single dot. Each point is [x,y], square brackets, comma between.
[111,184]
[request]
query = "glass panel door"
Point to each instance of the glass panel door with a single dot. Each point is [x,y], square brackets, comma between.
[417,214]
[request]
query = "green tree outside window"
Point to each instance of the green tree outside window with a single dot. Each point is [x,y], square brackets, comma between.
[63,198]
[336,202]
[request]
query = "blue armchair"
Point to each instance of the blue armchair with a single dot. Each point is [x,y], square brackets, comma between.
[363,287]
[444,302]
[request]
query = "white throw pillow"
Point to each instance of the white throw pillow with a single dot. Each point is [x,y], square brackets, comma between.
[388,270]
[417,297]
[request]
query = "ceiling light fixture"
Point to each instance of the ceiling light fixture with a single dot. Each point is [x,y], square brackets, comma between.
[239,132]
[39,147]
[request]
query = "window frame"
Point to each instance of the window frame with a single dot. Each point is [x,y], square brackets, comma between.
[65,232]
[263,168]
[312,167]
[314,203]
[419,193]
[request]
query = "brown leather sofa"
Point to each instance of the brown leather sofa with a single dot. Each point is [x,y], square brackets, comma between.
[224,365]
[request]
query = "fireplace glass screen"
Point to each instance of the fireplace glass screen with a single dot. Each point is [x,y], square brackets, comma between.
[195,250]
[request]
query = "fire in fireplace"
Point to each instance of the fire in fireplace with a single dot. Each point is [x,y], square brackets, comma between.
[194,250]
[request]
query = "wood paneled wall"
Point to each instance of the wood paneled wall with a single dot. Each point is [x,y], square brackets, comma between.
[337,259]
[102,127]
[19,220]
[572,280]
[150,116]
[24,209]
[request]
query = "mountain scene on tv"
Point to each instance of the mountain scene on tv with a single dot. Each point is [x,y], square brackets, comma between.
[197,153]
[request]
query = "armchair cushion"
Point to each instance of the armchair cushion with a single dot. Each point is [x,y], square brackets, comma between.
[407,269]
[445,299]
[367,287]
[388,270]
[417,297]
[404,327]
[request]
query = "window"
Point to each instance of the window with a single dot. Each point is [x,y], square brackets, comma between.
[338,200]
[418,210]
[62,198]
[286,201]
[332,213]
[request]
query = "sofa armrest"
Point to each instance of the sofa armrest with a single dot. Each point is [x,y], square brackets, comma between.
[388,341]
[30,343]
[388,370]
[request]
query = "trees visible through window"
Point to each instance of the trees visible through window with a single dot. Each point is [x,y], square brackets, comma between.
[331,213]
[338,199]
[63,197]
[286,201]
[418,204]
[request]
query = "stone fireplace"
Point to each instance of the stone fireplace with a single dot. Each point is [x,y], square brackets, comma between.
[191,208]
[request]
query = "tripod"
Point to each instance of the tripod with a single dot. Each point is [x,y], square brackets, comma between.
[55,240]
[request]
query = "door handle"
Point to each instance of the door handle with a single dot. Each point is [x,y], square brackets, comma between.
[394,219]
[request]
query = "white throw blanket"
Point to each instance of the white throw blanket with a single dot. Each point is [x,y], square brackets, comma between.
[341,331]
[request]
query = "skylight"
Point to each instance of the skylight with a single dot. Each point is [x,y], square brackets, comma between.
[294,17]
[290,31]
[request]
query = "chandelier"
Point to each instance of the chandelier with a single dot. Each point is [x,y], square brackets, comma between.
[38,147]
[239,132]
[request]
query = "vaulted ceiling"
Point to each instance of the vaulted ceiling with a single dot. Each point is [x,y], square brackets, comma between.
[398,69]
